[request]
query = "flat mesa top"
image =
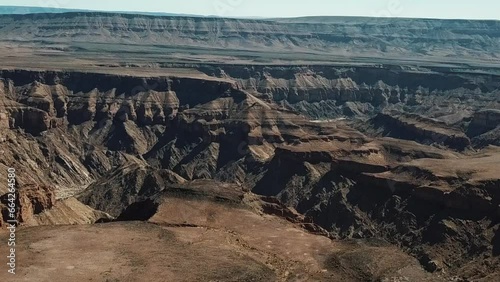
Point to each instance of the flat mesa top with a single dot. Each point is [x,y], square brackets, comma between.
[99,40]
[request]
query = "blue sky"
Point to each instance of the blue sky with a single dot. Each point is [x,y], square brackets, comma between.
[462,9]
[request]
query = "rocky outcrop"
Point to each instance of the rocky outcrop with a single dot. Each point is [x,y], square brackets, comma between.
[31,200]
[124,186]
[484,128]
[4,121]
[69,212]
[491,137]
[421,129]
[484,121]
[33,120]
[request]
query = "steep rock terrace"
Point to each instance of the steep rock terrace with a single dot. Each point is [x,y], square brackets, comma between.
[330,92]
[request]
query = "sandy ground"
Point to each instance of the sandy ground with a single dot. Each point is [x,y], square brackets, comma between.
[196,240]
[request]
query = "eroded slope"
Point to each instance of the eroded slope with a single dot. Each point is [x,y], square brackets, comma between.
[134,147]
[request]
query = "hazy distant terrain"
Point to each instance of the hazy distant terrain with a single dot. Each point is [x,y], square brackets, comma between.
[21,10]
[9,10]
[111,37]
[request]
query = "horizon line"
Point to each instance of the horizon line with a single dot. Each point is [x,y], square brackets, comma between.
[171,14]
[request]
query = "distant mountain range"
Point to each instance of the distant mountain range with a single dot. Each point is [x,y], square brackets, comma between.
[21,10]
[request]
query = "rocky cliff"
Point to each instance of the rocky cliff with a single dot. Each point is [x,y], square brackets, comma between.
[324,92]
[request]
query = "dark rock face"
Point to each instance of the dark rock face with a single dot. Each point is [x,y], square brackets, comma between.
[142,211]
[496,244]
[484,129]
[31,200]
[484,121]
[423,130]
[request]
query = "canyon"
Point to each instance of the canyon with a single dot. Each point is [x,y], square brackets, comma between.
[216,160]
